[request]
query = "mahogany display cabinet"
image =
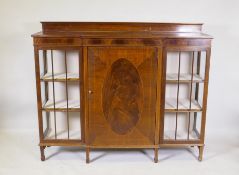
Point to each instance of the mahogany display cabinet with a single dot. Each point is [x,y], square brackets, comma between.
[121,85]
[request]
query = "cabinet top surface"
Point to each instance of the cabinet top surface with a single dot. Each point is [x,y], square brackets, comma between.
[121,30]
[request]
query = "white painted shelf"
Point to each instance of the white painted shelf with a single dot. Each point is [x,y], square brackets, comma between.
[181,135]
[73,105]
[60,77]
[63,134]
[183,105]
[183,78]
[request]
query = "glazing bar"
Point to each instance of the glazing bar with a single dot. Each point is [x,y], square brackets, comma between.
[179,65]
[197,88]
[190,96]
[45,69]
[53,88]
[67,103]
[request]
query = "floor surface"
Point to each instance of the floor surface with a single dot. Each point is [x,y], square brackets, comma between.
[19,154]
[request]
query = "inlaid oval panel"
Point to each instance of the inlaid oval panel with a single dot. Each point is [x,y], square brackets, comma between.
[122,96]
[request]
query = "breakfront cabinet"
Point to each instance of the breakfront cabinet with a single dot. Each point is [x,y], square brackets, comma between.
[121,85]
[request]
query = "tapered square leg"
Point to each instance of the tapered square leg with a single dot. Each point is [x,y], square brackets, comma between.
[155,155]
[42,153]
[87,155]
[201,148]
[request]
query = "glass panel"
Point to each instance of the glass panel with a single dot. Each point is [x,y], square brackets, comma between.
[61,126]
[59,71]
[184,94]
[196,125]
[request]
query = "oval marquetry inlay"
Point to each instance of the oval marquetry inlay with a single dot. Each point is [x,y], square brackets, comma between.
[122,96]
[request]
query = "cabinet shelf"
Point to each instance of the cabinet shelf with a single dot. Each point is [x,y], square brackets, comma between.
[60,77]
[63,134]
[181,135]
[183,78]
[183,105]
[61,106]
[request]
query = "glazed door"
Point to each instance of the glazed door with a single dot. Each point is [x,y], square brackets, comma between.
[122,96]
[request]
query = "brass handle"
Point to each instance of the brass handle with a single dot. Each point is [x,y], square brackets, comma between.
[90,92]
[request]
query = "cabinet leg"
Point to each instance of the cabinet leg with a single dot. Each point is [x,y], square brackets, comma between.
[155,155]
[200,152]
[42,153]
[87,155]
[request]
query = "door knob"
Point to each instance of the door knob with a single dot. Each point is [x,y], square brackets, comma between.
[90,92]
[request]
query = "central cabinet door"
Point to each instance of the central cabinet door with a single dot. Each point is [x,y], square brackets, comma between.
[122,96]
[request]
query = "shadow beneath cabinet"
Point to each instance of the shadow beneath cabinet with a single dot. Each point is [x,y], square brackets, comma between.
[132,155]
[119,153]
[177,153]
[61,153]
[58,151]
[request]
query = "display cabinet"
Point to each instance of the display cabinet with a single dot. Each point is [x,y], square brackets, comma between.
[121,85]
